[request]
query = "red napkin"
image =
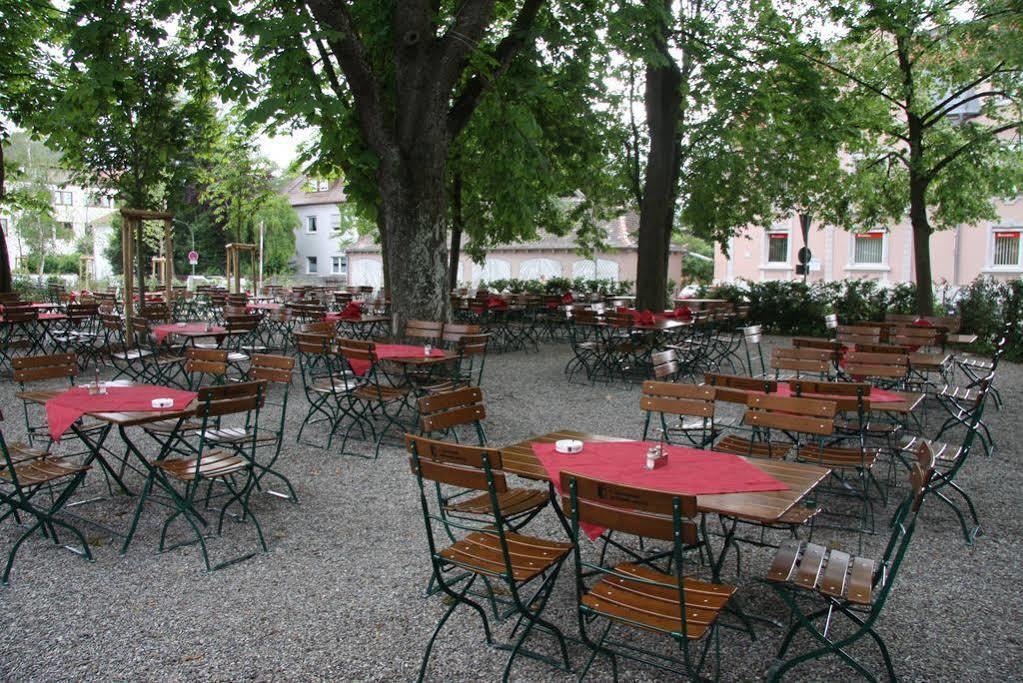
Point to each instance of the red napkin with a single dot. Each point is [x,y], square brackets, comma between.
[920,322]
[684,313]
[567,298]
[645,318]
[689,471]
[64,409]
[384,351]
[496,303]
[353,311]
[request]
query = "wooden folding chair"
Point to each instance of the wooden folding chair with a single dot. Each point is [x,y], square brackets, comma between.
[489,549]
[638,596]
[25,473]
[373,402]
[837,583]
[788,363]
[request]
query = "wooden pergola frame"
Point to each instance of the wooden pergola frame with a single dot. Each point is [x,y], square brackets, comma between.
[131,235]
[234,250]
[86,271]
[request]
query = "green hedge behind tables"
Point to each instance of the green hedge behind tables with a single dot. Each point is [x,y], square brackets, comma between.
[560,285]
[795,308]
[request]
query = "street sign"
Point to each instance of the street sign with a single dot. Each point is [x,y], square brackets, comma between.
[193,257]
[804,255]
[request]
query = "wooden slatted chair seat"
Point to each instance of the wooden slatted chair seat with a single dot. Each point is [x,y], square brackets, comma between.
[326,385]
[215,465]
[797,515]
[512,502]
[832,573]
[379,392]
[946,454]
[238,435]
[637,602]
[37,471]
[738,445]
[480,553]
[170,426]
[839,456]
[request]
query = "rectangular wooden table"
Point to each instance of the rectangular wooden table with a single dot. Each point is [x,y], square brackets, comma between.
[763,507]
[758,506]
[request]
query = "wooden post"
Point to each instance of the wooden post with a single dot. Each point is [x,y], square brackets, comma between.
[127,269]
[168,260]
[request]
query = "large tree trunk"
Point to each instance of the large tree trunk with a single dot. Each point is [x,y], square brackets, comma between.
[415,221]
[5,259]
[457,223]
[663,99]
[921,246]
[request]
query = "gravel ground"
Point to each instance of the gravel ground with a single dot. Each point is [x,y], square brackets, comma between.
[340,595]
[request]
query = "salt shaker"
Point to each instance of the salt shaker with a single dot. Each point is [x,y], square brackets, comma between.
[427,350]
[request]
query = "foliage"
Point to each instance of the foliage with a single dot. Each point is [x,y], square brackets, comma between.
[115,107]
[54,263]
[279,221]
[791,307]
[561,285]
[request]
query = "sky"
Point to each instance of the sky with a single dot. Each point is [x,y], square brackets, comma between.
[283,149]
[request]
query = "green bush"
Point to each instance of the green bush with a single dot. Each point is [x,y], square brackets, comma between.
[55,263]
[560,285]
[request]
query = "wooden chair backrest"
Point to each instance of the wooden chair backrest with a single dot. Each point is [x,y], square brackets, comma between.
[80,312]
[206,361]
[235,325]
[916,336]
[801,360]
[616,319]
[753,334]
[584,317]
[473,344]
[9,297]
[740,382]
[53,366]
[441,411]
[846,395]
[835,347]
[630,509]
[14,313]
[310,342]
[270,368]
[455,464]
[858,333]
[320,327]
[111,321]
[665,364]
[230,399]
[804,415]
[357,349]
[899,318]
[881,365]
[692,400]
[424,329]
[455,331]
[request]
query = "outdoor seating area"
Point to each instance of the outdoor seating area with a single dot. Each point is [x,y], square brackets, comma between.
[589,491]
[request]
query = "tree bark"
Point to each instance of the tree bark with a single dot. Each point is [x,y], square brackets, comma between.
[385,266]
[663,99]
[457,223]
[921,245]
[5,259]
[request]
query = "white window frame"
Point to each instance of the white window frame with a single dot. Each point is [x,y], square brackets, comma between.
[311,225]
[883,265]
[338,265]
[317,185]
[63,198]
[335,223]
[312,265]
[779,265]
[1018,267]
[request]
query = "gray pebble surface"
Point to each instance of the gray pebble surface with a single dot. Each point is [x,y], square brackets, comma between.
[341,594]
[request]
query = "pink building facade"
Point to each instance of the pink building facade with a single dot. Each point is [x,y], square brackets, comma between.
[958,256]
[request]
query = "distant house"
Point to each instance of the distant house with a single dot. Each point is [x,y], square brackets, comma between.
[548,256]
[80,209]
[883,253]
[319,236]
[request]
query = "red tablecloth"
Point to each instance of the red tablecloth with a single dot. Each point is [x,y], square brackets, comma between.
[876,395]
[160,332]
[689,471]
[385,351]
[62,410]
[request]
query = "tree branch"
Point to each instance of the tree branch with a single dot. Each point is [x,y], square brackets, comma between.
[461,39]
[510,46]
[956,153]
[354,61]
[936,110]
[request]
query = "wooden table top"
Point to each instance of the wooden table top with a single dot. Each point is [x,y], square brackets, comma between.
[421,360]
[757,506]
[364,320]
[961,339]
[909,402]
[131,419]
[929,361]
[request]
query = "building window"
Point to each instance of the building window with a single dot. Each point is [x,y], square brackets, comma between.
[317,185]
[101,200]
[310,265]
[338,265]
[868,248]
[335,223]
[778,246]
[310,224]
[63,198]
[1006,248]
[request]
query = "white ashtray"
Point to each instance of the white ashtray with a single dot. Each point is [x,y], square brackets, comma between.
[568,446]
[163,402]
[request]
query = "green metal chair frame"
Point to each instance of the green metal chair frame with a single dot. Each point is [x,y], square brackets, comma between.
[828,589]
[514,560]
[685,613]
